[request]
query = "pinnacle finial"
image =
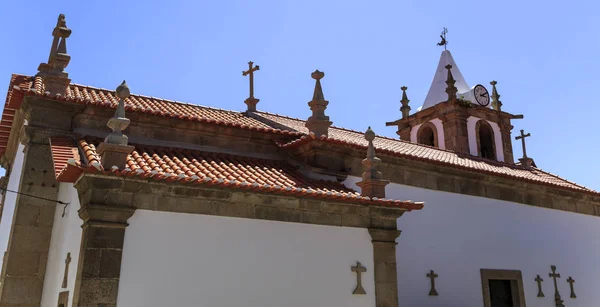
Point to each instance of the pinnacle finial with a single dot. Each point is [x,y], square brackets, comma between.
[55,79]
[451,90]
[405,109]
[496,103]
[119,122]
[318,123]
[318,94]
[371,184]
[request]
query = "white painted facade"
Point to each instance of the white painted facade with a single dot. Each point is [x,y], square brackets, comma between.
[472,133]
[10,200]
[439,127]
[66,238]
[457,235]
[174,259]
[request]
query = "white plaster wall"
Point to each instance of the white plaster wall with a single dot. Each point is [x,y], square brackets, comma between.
[471,125]
[439,129]
[174,259]
[66,237]
[498,141]
[440,132]
[457,235]
[8,211]
[413,133]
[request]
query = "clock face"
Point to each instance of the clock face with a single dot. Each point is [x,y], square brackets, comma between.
[481,95]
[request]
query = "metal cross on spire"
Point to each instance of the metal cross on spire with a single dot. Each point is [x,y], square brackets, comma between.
[444,42]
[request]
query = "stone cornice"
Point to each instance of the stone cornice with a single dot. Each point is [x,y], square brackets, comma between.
[119,192]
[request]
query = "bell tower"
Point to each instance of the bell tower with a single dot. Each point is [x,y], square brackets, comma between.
[457,117]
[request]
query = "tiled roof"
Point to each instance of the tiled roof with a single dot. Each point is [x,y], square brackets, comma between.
[272,123]
[207,168]
[423,153]
[81,94]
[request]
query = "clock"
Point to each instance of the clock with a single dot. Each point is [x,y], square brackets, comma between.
[481,95]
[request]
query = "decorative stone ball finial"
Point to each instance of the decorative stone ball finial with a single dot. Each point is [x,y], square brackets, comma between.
[369,134]
[317,75]
[123,90]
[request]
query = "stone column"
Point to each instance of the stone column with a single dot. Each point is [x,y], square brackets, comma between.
[386,276]
[25,259]
[99,265]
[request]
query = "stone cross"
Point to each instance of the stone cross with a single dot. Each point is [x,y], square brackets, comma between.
[432,276]
[557,298]
[250,72]
[359,269]
[571,281]
[539,283]
[522,138]
[67,262]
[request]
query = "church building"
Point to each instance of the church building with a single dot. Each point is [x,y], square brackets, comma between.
[119,199]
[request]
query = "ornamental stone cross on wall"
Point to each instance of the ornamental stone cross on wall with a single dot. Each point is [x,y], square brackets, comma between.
[359,269]
[539,280]
[571,281]
[67,262]
[432,276]
[557,299]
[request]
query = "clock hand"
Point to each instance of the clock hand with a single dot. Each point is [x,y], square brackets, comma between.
[483,95]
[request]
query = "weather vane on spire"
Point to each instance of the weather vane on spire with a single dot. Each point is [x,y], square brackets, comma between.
[444,42]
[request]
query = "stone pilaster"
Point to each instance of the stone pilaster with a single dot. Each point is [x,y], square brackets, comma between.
[505,130]
[404,133]
[456,133]
[386,276]
[25,259]
[99,265]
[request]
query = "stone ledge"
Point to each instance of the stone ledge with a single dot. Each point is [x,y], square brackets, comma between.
[107,194]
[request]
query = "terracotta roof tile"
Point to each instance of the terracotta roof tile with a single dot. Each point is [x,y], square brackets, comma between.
[262,121]
[65,156]
[207,168]
[424,153]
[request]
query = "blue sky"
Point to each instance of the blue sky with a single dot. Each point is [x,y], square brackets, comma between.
[543,55]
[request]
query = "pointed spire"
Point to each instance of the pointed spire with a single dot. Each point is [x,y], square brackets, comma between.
[437,90]
[318,123]
[405,109]
[496,104]
[451,90]
[55,79]
[114,150]
[371,185]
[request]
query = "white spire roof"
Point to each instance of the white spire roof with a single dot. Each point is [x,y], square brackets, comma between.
[437,91]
